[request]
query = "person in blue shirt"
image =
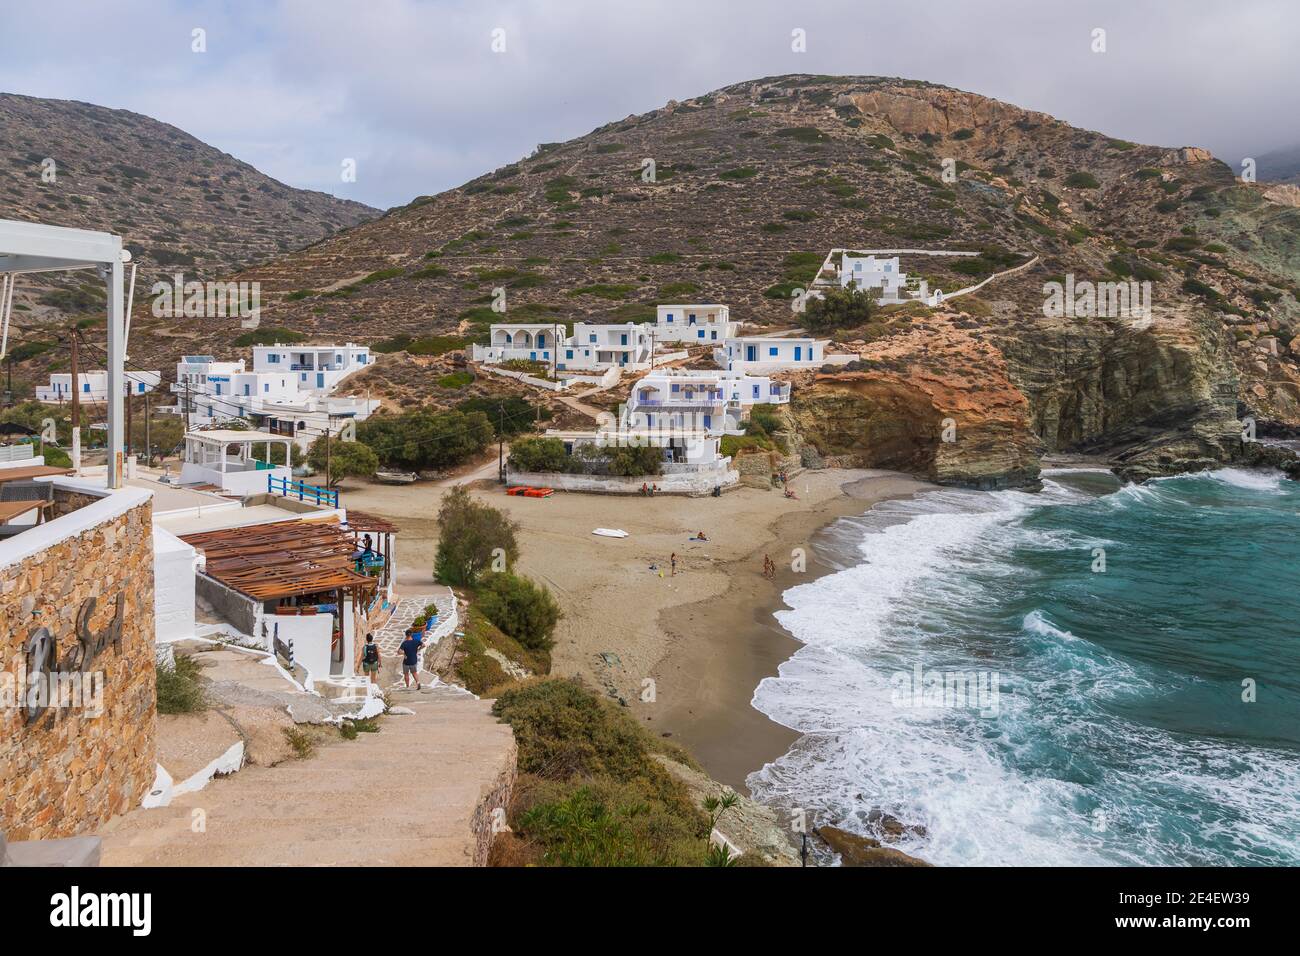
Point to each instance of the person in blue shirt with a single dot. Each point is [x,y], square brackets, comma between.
[411,659]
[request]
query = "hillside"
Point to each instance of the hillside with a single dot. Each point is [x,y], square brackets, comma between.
[756,182]
[180,205]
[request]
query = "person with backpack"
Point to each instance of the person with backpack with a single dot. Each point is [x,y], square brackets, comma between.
[411,659]
[370,659]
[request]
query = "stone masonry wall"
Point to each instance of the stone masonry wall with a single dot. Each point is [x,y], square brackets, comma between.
[68,771]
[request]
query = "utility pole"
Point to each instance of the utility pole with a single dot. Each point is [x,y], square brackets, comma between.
[501,443]
[76,404]
[76,408]
[128,415]
[148,446]
[329,424]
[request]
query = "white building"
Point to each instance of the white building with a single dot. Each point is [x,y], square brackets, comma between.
[211,392]
[765,353]
[93,386]
[319,368]
[711,401]
[867,272]
[529,341]
[694,324]
[598,346]
[223,459]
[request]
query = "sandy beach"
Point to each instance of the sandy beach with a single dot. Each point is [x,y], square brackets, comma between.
[684,651]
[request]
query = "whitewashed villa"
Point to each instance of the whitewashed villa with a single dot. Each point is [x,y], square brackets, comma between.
[592,347]
[92,386]
[711,401]
[694,324]
[868,273]
[211,392]
[533,342]
[318,367]
[767,353]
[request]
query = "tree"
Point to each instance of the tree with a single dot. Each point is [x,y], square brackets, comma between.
[346,459]
[520,608]
[539,454]
[839,309]
[472,537]
[422,440]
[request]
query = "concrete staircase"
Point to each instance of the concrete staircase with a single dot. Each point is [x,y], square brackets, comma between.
[420,792]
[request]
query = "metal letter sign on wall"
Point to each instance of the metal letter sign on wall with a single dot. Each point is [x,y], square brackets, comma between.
[41,651]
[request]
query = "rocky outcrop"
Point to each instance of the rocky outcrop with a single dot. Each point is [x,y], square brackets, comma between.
[855,850]
[933,400]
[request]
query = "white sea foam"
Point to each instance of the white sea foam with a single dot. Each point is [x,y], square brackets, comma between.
[1269,480]
[925,563]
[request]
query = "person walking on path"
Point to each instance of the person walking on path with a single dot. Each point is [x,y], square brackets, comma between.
[410,649]
[370,659]
[673,561]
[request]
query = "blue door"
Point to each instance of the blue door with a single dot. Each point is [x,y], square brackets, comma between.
[532,356]
[798,352]
[751,353]
[320,379]
[708,421]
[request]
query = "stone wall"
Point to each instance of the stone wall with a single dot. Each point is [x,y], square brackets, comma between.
[686,483]
[491,810]
[69,769]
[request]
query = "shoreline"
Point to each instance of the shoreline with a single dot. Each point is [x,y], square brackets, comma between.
[709,686]
[698,642]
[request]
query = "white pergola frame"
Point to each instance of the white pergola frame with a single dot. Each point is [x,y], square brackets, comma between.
[27,247]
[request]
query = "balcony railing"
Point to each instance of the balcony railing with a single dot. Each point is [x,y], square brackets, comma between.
[302,491]
[718,399]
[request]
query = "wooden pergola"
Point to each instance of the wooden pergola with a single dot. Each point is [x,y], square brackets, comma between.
[284,559]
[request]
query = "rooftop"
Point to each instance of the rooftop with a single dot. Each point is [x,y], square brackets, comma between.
[284,559]
[232,436]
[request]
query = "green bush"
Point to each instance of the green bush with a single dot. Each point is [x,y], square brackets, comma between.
[429,345]
[269,335]
[1082,180]
[839,308]
[179,690]
[456,380]
[520,608]
[381,275]
[56,457]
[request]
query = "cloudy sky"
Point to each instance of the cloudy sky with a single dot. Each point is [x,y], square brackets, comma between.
[413,91]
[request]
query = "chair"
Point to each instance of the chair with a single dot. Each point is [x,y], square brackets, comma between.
[42,491]
[27,491]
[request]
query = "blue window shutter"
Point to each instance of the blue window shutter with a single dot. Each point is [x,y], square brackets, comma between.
[771,350]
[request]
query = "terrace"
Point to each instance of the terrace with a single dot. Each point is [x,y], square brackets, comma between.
[294,582]
[224,460]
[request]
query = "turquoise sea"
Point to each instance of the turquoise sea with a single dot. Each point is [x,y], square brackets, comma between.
[1091,674]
